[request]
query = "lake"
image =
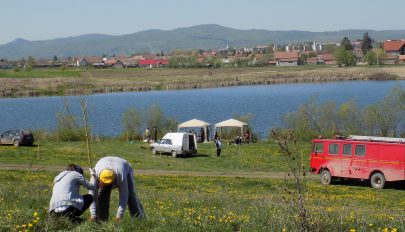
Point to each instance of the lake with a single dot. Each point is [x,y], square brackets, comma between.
[268,104]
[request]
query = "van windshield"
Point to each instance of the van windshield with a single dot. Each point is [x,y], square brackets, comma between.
[318,148]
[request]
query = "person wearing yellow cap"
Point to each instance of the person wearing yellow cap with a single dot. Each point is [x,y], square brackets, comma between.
[115,172]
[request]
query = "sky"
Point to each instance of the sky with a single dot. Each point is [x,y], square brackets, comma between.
[50,19]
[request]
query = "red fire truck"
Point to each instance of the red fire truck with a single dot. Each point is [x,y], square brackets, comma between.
[378,159]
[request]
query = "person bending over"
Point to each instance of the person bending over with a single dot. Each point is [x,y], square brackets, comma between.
[114,172]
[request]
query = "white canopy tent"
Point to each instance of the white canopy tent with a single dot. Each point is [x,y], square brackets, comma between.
[194,123]
[232,123]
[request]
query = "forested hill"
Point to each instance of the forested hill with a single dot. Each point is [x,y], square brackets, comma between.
[196,37]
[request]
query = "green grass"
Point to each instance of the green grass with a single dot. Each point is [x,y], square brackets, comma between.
[208,204]
[40,73]
[260,156]
[196,203]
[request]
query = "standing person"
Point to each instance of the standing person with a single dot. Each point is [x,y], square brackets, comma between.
[155,133]
[66,199]
[202,135]
[208,134]
[218,145]
[147,134]
[247,136]
[114,172]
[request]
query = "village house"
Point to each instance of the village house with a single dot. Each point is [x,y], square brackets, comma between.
[113,62]
[153,61]
[312,60]
[286,58]
[5,64]
[326,58]
[394,48]
[47,63]
[95,61]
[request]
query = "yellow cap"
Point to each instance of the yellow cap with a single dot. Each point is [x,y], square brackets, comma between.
[107,176]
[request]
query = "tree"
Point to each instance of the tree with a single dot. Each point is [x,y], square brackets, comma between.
[344,57]
[55,58]
[303,59]
[131,122]
[346,44]
[30,63]
[384,117]
[349,118]
[374,57]
[366,43]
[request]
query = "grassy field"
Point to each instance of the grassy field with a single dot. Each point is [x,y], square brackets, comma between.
[83,81]
[39,73]
[252,157]
[196,203]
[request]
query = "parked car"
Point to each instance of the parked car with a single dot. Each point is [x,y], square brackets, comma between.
[176,144]
[17,137]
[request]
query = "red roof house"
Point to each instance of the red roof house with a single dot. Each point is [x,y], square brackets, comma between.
[326,58]
[286,58]
[392,46]
[153,62]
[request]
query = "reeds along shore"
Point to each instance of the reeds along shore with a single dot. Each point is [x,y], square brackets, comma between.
[26,87]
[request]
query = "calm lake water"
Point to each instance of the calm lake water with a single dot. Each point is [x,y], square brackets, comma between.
[268,104]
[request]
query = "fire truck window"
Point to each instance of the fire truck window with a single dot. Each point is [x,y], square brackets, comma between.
[360,150]
[333,149]
[347,149]
[318,148]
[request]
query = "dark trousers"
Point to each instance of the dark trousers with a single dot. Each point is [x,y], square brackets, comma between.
[134,204]
[73,212]
[218,152]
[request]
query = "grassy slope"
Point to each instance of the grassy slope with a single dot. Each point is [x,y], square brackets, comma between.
[37,81]
[252,157]
[192,203]
[38,73]
[209,204]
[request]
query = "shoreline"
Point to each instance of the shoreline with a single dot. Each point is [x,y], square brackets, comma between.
[111,81]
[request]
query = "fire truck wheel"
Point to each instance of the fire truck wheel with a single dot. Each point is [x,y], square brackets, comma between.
[377,180]
[326,178]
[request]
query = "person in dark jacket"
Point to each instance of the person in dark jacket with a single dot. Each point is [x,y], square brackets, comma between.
[155,135]
[66,199]
[218,146]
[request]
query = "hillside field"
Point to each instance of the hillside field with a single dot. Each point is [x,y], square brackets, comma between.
[246,189]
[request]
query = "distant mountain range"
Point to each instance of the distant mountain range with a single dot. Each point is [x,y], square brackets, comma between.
[196,37]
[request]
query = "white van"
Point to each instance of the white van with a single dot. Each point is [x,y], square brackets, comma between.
[176,144]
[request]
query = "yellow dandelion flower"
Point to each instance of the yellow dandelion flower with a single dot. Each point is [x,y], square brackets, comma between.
[29,225]
[352,230]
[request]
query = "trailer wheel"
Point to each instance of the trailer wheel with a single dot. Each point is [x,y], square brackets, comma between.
[326,178]
[377,180]
[174,154]
[16,143]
